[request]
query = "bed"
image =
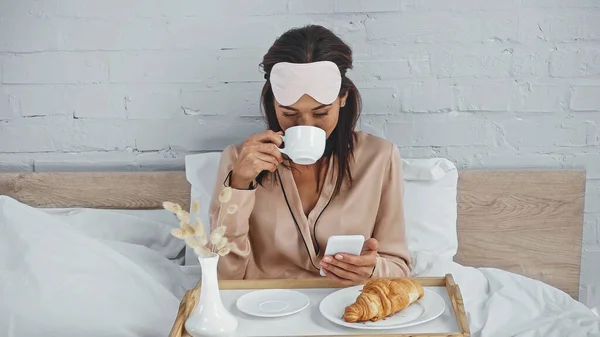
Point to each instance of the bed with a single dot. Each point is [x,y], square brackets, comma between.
[516,254]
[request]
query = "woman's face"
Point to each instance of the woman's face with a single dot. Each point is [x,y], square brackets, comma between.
[307,111]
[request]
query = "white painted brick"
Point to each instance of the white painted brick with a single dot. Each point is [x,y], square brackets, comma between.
[380,69]
[476,61]
[42,99]
[437,132]
[536,132]
[92,9]
[410,66]
[239,66]
[589,161]
[593,133]
[589,265]
[344,6]
[592,296]
[28,33]
[192,133]
[428,97]
[101,135]
[244,7]
[98,101]
[83,101]
[380,50]
[311,6]
[9,105]
[380,100]
[517,160]
[19,8]
[109,8]
[591,29]
[184,33]
[87,162]
[372,124]
[585,98]
[441,27]
[258,32]
[103,34]
[15,162]
[461,5]
[144,9]
[531,61]
[591,228]
[142,102]
[223,101]
[40,134]
[92,161]
[418,152]
[62,133]
[463,157]
[560,3]
[555,25]
[161,66]
[592,196]
[485,96]
[539,98]
[54,68]
[581,61]
[349,27]
[161,161]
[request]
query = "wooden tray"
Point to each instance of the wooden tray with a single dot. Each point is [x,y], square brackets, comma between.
[190,300]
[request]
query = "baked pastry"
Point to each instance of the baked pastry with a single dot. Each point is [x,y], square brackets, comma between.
[381,298]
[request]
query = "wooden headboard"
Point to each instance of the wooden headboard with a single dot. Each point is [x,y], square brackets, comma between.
[527,222]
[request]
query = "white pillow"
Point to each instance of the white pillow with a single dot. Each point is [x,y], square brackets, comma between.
[148,228]
[430,187]
[430,206]
[56,280]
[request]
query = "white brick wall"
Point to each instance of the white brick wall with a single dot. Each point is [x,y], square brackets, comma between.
[107,85]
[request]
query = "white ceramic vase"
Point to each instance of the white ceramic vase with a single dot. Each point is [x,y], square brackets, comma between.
[210,318]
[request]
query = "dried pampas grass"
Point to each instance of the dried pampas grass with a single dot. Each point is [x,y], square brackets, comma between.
[194,235]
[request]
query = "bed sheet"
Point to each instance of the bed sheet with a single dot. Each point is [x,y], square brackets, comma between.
[59,280]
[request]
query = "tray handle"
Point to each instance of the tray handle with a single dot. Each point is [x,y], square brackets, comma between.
[457,305]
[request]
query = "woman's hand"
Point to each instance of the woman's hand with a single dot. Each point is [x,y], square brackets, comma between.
[259,153]
[351,269]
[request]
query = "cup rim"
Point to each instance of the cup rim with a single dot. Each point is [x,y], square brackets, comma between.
[310,127]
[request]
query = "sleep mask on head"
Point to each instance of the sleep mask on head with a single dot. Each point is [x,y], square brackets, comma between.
[321,80]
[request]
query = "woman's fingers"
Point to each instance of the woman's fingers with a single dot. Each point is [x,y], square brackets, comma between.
[342,281]
[368,259]
[268,136]
[270,149]
[265,162]
[362,269]
[342,270]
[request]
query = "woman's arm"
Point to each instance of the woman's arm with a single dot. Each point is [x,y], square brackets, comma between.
[234,264]
[393,258]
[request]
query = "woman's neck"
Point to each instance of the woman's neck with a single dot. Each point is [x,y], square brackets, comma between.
[310,173]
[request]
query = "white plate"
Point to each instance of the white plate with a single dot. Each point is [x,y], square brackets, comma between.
[272,302]
[429,307]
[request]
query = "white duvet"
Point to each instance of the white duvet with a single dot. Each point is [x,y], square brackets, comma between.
[58,277]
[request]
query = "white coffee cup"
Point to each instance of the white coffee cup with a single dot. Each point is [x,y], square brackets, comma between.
[304,144]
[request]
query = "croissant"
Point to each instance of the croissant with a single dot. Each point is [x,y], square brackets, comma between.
[381,298]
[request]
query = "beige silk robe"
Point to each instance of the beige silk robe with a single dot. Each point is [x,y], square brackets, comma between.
[268,241]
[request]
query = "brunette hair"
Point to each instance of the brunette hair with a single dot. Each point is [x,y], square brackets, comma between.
[314,43]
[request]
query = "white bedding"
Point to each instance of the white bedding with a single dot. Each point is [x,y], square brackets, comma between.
[60,278]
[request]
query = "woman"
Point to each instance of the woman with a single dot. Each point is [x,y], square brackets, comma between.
[288,211]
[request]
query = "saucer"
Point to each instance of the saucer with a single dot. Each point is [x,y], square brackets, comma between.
[272,302]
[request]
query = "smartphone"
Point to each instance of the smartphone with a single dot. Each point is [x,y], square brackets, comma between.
[348,244]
